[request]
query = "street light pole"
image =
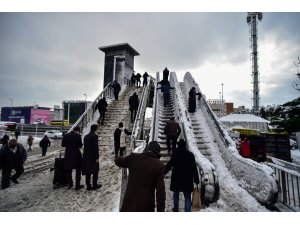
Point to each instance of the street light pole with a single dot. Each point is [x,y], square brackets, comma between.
[222,102]
[11,105]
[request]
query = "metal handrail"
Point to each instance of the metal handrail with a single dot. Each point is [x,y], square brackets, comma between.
[154,124]
[139,120]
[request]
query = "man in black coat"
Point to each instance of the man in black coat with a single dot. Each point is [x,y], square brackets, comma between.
[145,79]
[166,74]
[101,106]
[44,144]
[12,157]
[138,80]
[145,184]
[73,157]
[90,160]
[133,105]
[117,88]
[184,175]
[192,99]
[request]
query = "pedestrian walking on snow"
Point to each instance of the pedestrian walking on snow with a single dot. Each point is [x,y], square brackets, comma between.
[30,142]
[172,130]
[117,88]
[44,144]
[12,157]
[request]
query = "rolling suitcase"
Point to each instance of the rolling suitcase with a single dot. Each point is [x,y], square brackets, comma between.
[60,174]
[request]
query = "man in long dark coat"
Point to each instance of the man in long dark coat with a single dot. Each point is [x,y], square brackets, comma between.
[145,181]
[133,106]
[166,74]
[101,106]
[145,79]
[184,175]
[73,157]
[90,160]
[172,130]
[12,157]
[117,88]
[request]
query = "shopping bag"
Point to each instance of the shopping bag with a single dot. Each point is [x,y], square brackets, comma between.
[196,199]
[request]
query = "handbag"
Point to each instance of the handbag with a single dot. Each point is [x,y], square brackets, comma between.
[196,198]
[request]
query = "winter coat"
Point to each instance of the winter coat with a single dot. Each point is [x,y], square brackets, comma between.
[5,139]
[90,154]
[133,102]
[101,105]
[138,77]
[245,148]
[184,171]
[166,74]
[145,183]
[116,86]
[30,140]
[10,160]
[119,137]
[45,142]
[172,129]
[192,100]
[73,157]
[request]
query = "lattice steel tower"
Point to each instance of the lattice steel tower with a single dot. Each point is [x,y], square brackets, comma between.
[252,21]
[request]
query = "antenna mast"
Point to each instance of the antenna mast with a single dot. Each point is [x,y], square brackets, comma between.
[252,21]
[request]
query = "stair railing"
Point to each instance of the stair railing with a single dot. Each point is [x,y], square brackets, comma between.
[247,171]
[137,129]
[89,113]
[153,135]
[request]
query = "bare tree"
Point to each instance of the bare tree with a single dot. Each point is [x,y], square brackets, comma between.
[296,83]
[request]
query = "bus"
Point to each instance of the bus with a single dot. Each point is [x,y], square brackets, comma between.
[59,122]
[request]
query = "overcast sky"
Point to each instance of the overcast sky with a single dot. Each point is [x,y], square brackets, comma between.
[46,58]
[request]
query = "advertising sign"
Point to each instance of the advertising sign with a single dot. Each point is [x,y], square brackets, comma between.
[38,115]
[15,114]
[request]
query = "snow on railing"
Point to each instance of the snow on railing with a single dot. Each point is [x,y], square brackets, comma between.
[140,116]
[209,178]
[153,135]
[257,178]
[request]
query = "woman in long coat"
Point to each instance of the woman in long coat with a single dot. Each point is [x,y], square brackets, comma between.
[192,99]
[90,160]
[184,175]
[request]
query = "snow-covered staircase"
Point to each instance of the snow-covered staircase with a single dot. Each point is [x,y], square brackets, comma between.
[199,134]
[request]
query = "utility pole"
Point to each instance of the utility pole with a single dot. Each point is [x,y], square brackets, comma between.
[252,18]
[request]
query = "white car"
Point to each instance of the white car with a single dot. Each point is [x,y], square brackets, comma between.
[53,134]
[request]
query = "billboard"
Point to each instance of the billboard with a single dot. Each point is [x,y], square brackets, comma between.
[15,114]
[40,115]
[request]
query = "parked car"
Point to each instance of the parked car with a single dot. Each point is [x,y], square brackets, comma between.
[39,122]
[53,134]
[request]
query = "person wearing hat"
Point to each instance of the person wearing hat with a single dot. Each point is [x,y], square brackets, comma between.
[184,175]
[145,180]
[12,157]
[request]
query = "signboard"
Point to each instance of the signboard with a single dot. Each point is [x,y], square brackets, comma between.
[40,115]
[15,114]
